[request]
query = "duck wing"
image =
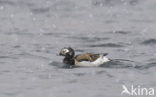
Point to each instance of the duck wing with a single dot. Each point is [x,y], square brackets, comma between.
[87,57]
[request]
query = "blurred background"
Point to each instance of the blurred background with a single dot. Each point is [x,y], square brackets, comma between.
[32,32]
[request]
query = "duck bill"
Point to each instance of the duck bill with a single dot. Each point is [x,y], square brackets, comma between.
[60,54]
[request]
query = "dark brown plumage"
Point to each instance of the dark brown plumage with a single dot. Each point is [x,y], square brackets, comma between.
[86,57]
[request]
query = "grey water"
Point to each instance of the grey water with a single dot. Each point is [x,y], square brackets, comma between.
[32,32]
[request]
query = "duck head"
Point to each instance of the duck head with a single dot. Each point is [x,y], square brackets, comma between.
[68,52]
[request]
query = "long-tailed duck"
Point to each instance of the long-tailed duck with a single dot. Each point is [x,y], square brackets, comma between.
[88,59]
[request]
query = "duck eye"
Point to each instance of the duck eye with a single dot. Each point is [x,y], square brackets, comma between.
[70,53]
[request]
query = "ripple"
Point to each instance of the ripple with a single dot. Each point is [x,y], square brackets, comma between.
[90,39]
[119,63]
[17,46]
[19,33]
[100,72]
[25,54]
[149,42]
[45,76]
[6,2]
[56,34]
[122,63]
[72,81]
[121,32]
[40,10]
[2,62]
[63,6]
[143,20]
[152,64]
[147,66]
[114,2]
[113,45]
[79,74]
[5,57]
[53,34]
[62,65]
[115,63]
[49,34]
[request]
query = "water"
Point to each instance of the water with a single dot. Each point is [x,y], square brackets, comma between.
[32,32]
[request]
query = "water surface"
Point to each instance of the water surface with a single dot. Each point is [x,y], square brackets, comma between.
[32,32]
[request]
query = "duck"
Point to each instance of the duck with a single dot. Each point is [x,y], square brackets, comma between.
[87,59]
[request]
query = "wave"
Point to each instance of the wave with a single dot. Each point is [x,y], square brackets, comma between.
[113,45]
[149,42]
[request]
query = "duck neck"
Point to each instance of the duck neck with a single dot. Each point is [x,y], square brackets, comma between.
[69,60]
